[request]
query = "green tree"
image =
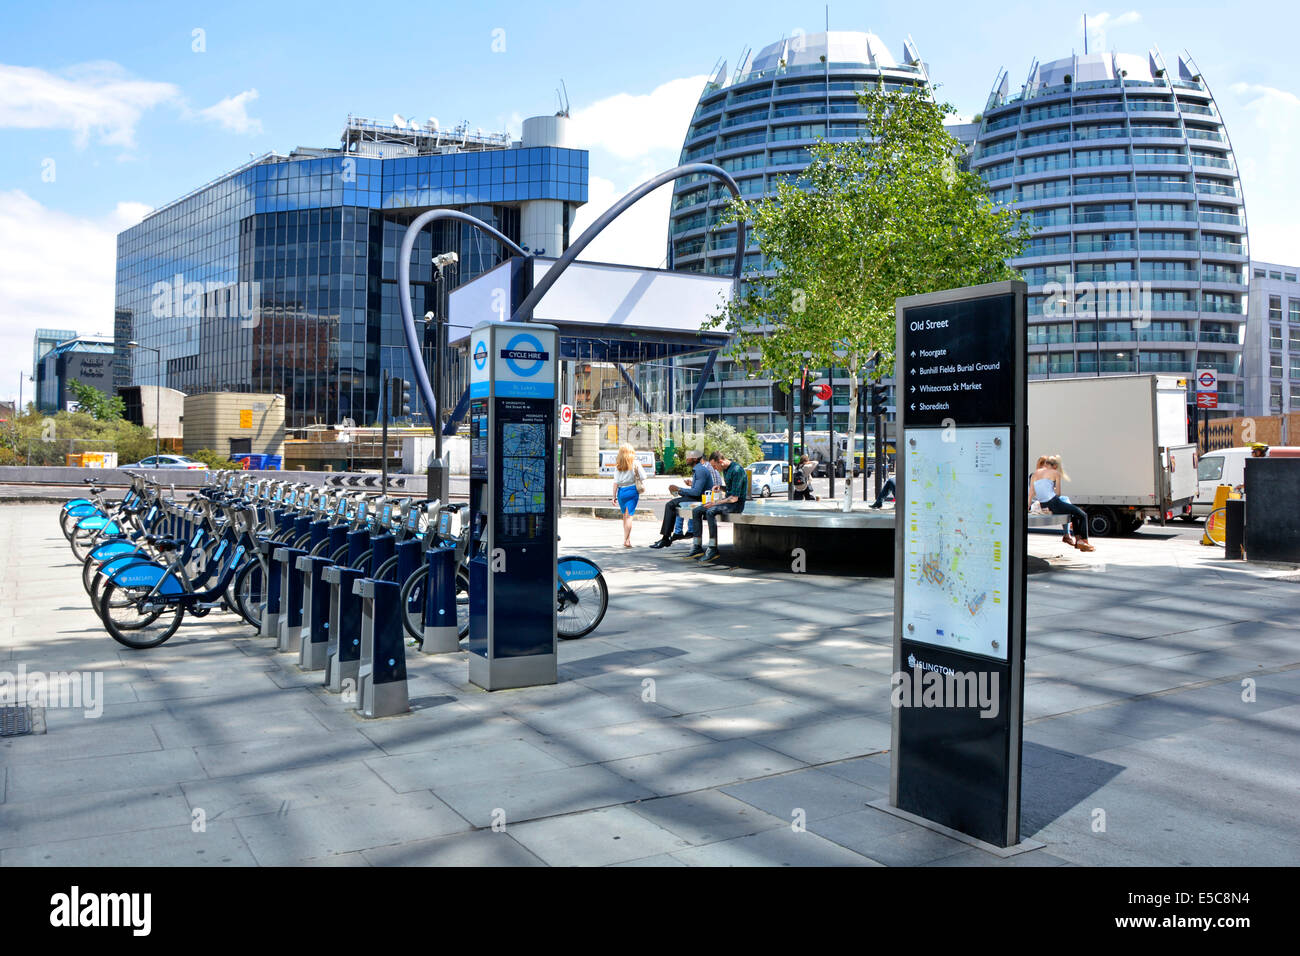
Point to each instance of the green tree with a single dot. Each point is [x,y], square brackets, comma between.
[101,407]
[869,221]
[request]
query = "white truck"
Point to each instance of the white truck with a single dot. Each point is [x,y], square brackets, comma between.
[1123,442]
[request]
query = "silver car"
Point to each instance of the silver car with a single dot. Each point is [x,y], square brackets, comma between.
[168,461]
[767,478]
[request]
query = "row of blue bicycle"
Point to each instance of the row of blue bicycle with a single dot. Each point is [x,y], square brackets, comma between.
[292,561]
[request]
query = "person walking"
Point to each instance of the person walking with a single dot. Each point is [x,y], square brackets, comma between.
[701,481]
[736,484]
[1045,486]
[629,482]
[803,480]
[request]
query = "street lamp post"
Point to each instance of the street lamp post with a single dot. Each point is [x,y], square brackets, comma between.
[157,391]
[439,315]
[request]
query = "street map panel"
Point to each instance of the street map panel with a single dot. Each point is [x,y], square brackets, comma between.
[956,550]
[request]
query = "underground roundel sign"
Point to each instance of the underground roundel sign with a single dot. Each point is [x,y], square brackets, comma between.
[525,355]
[480,355]
[1206,380]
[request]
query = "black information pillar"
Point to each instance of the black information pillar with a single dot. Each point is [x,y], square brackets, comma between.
[959,574]
[513,513]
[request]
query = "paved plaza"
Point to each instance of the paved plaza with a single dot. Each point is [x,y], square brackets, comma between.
[720,715]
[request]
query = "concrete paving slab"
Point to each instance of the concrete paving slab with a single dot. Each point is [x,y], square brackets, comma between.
[781,847]
[278,839]
[475,848]
[538,795]
[596,838]
[698,768]
[218,844]
[706,816]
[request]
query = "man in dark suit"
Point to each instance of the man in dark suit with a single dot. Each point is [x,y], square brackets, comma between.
[701,481]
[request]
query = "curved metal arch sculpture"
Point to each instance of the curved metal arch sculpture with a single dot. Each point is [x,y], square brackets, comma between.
[404,292]
[552,274]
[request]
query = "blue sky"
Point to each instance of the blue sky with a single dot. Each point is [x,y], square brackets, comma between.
[110,109]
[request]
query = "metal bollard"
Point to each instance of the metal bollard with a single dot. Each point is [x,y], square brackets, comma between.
[1234,529]
[315,612]
[440,627]
[382,676]
[343,653]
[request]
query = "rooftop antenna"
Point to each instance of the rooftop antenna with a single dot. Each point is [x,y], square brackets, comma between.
[563,99]
[1085,34]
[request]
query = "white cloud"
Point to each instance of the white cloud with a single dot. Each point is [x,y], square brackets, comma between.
[1264,123]
[1099,23]
[633,137]
[232,113]
[630,126]
[92,98]
[639,237]
[58,272]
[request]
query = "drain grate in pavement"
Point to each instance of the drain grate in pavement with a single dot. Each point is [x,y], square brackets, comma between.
[15,721]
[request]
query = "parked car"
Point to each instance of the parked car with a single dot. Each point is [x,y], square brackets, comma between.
[767,478]
[167,461]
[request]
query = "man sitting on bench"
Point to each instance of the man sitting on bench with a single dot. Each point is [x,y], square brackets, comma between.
[700,482]
[736,482]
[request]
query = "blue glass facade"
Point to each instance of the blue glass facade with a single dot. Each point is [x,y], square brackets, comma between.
[281,276]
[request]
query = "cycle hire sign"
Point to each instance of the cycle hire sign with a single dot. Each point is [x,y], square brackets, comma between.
[525,365]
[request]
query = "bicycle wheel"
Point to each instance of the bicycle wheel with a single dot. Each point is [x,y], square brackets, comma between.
[137,621]
[581,598]
[412,598]
[387,571]
[462,603]
[1216,523]
[83,541]
[249,594]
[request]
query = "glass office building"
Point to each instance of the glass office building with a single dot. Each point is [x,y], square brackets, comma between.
[1138,261]
[281,276]
[1272,347]
[757,123]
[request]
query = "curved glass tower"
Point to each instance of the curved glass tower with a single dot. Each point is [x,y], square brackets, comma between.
[757,122]
[1139,259]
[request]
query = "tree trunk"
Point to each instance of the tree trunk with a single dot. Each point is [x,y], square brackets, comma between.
[851,459]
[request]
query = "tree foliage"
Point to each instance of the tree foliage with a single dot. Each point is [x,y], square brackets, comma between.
[37,439]
[101,407]
[869,221]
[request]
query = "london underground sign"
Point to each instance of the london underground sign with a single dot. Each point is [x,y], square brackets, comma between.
[1207,388]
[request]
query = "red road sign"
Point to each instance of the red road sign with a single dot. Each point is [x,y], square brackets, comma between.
[822,391]
[566,421]
[1207,399]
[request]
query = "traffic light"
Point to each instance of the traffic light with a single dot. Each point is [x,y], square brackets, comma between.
[878,393]
[821,394]
[399,398]
[577,424]
[780,400]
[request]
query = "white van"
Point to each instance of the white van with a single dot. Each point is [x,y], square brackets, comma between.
[1227,466]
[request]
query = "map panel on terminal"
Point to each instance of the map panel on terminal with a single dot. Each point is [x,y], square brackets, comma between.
[956,539]
[523,468]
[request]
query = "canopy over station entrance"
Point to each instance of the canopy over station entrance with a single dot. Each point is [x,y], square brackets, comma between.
[621,329]
[611,318]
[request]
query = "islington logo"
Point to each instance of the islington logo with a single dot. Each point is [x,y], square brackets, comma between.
[480,355]
[934,685]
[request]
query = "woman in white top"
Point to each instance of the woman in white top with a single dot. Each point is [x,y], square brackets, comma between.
[1045,486]
[629,479]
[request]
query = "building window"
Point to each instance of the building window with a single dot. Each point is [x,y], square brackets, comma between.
[1275,308]
[1275,365]
[1275,336]
[1275,400]
[1294,306]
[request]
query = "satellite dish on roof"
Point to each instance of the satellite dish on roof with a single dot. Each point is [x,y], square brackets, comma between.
[399,120]
[433,123]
